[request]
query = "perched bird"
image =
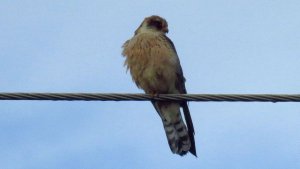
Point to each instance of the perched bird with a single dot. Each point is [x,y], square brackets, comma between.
[152,60]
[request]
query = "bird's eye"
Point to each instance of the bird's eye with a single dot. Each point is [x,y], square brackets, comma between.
[156,24]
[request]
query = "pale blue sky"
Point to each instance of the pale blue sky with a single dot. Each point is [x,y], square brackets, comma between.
[228,46]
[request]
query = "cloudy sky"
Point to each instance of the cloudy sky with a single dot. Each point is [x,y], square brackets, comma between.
[228,47]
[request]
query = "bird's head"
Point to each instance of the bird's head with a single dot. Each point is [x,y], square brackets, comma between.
[153,23]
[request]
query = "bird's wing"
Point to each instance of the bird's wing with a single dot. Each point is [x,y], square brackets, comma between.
[180,86]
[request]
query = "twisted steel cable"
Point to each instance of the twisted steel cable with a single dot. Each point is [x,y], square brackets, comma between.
[145,97]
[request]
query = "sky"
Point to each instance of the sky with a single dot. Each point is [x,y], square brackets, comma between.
[225,47]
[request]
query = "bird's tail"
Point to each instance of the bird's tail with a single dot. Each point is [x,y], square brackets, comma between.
[177,134]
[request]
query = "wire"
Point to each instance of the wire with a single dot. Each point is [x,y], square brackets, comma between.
[145,97]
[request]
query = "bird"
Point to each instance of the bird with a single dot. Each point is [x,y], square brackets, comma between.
[152,60]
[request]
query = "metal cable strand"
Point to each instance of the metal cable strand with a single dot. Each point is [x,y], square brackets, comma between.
[145,97]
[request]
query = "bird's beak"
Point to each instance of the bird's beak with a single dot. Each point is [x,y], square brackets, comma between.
[166,30]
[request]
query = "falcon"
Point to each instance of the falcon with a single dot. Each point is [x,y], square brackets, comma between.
[152,60]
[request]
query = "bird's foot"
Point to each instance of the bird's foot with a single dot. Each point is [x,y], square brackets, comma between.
[153,94]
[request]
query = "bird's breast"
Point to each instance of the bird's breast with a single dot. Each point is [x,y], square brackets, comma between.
[152,63]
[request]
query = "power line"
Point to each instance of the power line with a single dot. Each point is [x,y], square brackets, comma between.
[145,97]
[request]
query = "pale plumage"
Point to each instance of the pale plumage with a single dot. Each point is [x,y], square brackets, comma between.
[154,66]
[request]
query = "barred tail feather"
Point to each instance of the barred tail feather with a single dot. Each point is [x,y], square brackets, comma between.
[178,137]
